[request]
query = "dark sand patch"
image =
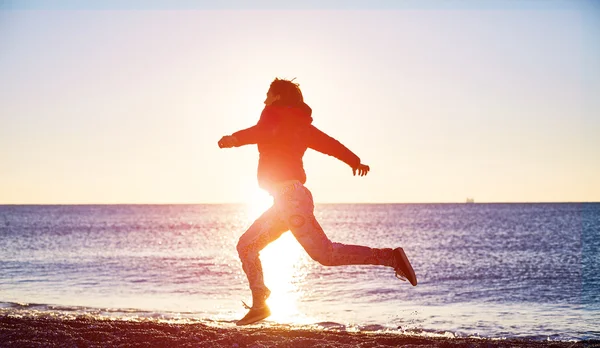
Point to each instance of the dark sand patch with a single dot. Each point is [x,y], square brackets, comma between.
[86,332]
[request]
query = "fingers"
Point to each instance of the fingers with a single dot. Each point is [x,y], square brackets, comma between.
[226,142]
[362,170]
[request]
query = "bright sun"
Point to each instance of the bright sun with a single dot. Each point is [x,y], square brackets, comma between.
[283,267]
[259,202]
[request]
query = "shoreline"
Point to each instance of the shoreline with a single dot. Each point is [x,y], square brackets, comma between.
[89,332]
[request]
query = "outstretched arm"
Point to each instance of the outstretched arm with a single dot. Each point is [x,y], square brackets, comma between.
[319,141]
[262,130]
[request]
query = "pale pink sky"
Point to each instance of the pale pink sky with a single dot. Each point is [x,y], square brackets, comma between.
[101,105]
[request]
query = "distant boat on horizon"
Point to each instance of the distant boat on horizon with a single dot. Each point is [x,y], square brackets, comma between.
[470,200]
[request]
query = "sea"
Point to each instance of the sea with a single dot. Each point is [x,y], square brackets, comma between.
[516,270]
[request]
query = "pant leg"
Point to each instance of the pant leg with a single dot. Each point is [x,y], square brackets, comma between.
[295,206]
[267,228]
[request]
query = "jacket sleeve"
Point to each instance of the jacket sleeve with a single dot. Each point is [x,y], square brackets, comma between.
[319,141]
[262,131]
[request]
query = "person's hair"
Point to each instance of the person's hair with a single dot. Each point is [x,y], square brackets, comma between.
[288,91]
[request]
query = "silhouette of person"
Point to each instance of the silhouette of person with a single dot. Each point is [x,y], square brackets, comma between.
[283,134]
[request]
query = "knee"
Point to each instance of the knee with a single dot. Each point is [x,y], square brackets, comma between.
[324,260]
[243,248]
[322,256]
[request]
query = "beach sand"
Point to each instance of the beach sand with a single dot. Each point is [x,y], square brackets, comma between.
[87,332]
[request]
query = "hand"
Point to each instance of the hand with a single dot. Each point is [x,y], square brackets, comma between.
[362,170]
[228,141]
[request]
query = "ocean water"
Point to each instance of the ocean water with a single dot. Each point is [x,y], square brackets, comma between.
[489,270]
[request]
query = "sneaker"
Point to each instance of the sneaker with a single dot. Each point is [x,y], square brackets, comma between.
[254,315]
[404,270]
[259,309]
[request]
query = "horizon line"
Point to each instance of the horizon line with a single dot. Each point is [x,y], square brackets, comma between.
[319,203]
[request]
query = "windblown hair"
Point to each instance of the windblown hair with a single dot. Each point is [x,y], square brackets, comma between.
[289,92]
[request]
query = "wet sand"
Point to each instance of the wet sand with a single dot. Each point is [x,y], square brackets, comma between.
[86,332]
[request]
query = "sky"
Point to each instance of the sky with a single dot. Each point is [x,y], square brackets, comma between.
[124,101]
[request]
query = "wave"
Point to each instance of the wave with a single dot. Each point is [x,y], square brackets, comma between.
[40,310]
[62,312]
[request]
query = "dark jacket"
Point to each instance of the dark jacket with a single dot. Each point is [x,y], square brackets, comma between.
[283,134]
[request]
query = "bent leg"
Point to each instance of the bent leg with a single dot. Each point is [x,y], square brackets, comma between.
[267,228]
[296,207]
[338,254]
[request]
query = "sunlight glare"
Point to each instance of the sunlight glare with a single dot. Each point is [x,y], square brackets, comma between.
[282,266]
[258,203]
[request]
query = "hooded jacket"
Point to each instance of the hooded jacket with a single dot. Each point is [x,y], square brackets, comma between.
[283,134]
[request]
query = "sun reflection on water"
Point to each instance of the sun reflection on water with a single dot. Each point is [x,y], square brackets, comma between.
[283,271]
